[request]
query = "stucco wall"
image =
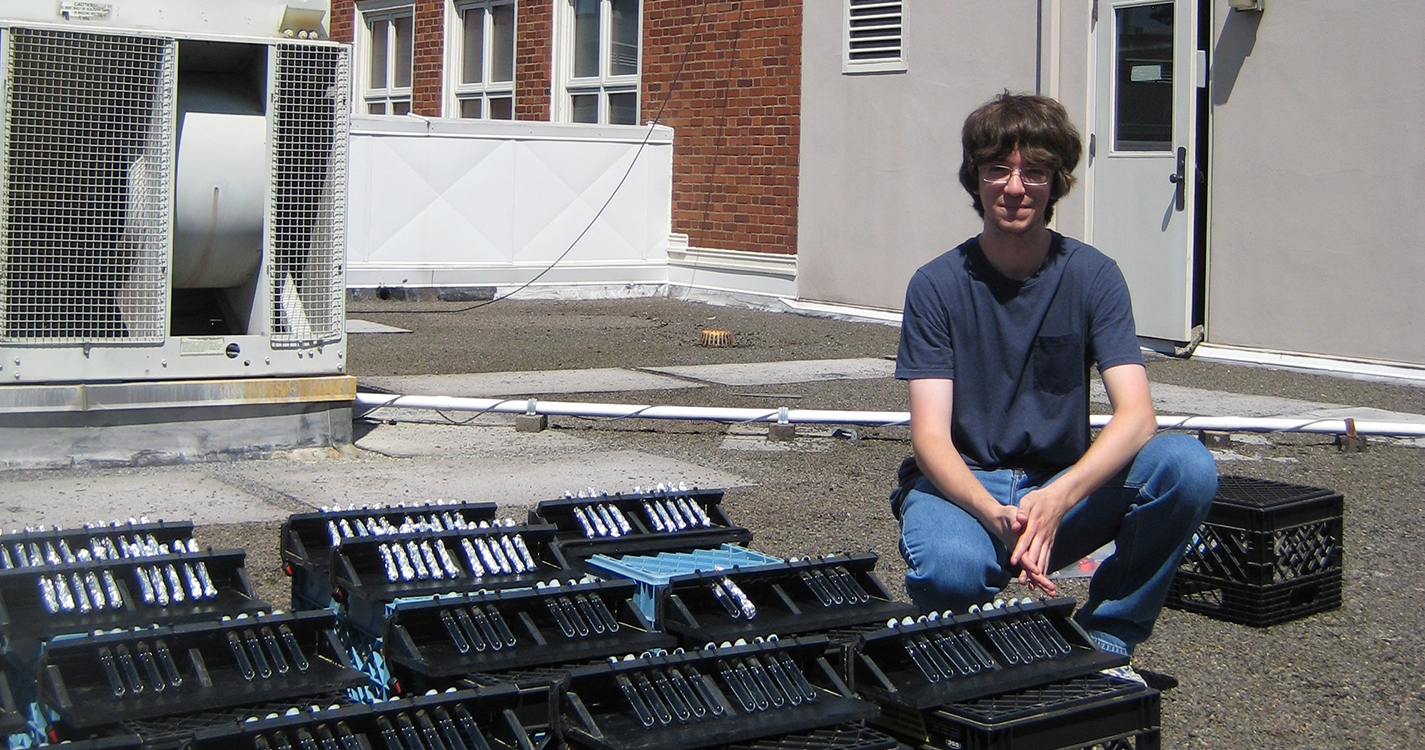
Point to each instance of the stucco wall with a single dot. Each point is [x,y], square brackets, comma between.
[1318,179]
[879,152]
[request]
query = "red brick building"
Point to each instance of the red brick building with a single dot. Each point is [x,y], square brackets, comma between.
[724,74]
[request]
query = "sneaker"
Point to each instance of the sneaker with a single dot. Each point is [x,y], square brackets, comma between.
[1155,680]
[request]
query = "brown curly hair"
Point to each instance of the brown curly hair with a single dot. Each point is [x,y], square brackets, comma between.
[1037,125]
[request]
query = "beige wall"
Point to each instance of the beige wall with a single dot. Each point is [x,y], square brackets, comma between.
[1318,179]
[880,152]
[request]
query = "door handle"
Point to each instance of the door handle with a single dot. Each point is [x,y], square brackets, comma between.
[1180,178]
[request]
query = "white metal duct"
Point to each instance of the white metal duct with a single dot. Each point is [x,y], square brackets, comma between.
[85,203]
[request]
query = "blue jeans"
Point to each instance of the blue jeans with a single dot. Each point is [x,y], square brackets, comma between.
[1150,511]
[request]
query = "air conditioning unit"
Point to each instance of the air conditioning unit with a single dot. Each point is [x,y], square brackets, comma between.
[172,191]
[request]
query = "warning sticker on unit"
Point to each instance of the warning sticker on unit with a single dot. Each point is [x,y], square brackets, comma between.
[73,10]
[194,346]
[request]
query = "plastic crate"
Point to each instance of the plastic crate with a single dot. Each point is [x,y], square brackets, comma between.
[476,718]
[707,698]
[369,573]
[639,523]
[307,539]
[1267,553]
[1089,711]
[932,663]
[90,681]
[845,737]
[29,617]
[436,643]
[802,596]
[654,572]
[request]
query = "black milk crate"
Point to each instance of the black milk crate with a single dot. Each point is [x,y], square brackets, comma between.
[639,523]
[476,718]
[308,538]
[798,596]
[1090,711]
[143,592]
[1267,553]
[109,678]
[932,662]
[368,573]
[435,643]
[58,547]
[854,736]
[708,698]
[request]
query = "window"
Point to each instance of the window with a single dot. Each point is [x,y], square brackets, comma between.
[387,60]
[875,41]
[482,69]
[601,67]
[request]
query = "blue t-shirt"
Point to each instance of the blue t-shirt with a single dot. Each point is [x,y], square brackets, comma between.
[1018,351]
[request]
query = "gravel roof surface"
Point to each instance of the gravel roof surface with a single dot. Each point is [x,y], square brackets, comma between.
[1353,677]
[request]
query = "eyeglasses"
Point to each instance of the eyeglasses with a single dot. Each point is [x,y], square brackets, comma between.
[999,174]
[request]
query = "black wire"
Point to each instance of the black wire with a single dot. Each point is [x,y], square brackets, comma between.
[658,117]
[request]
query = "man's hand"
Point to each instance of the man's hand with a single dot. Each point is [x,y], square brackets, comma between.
[1039,514]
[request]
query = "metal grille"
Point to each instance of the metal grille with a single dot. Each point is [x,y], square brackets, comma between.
[874,31]
[309,133]
[86,197]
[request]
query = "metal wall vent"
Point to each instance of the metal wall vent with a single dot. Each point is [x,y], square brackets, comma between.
[874,34]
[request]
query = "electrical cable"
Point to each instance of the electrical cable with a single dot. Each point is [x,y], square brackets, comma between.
[652,125]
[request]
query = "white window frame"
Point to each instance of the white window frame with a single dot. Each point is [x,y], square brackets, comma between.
[604,84]
[485,89]
[863,13]
[391,95]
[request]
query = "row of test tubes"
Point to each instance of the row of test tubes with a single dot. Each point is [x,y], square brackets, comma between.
[1019,638]
[833,585]
[668,694]
[159,584]
[56,553]
[350,527]
[432,559]
[578,614]
[435,728]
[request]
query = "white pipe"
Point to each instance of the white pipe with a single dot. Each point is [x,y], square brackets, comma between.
[822,416]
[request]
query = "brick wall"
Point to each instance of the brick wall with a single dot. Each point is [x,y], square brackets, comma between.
[532,72]
[735,114]
[428,57]
[735,110]
[534,45]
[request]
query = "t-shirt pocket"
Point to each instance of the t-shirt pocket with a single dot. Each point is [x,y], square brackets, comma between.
[1058,363]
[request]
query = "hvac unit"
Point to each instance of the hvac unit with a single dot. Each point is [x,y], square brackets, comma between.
[172,191]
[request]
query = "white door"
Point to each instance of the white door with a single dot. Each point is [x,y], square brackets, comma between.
[1142,155]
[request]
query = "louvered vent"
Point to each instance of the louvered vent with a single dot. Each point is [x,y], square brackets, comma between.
[309,127]
[874,35]
[85,213]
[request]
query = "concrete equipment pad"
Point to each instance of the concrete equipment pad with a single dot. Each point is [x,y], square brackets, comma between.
[515,384]
[775,373]
[355,325]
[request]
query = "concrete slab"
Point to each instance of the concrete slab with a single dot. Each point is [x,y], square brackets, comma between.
[515,384]
[420,462]
[72,499]
[355,325]
[797,371]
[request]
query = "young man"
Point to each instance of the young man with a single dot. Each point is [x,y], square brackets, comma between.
[997,339]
